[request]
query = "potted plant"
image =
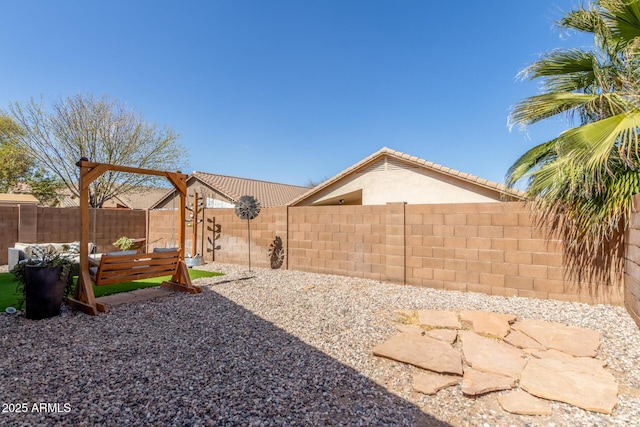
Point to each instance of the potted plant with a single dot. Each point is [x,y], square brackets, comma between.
[124,243]
[43,282]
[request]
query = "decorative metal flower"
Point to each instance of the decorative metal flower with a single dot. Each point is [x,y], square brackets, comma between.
[247,207]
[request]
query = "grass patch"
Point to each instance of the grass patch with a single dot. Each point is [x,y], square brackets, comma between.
[9,297]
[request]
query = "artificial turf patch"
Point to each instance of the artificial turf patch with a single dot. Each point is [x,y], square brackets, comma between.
[9,297]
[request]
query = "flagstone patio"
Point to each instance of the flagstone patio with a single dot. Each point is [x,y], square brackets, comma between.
[486,352]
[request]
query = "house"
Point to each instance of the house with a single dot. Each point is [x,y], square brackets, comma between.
[391,176]
[221,191]
[7,199]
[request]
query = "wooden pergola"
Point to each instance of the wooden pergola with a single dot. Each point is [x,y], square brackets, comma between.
[130,267]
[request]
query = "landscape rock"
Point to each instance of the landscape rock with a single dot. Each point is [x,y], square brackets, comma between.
[573,340]
[430,383]
[492,356]
[581,382]
[522,403]
[423,352]
[438,319]
[486,323]
[476,382]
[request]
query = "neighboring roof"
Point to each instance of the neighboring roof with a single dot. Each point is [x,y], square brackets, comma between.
[269,194]
[143,198]
[415,161]
[17,199]
[140,198]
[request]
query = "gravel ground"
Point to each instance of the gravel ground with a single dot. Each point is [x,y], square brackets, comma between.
[271,348]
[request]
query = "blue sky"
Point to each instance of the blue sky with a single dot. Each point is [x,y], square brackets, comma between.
[289,91]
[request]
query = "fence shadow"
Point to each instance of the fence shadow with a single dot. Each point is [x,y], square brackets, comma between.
[189,360]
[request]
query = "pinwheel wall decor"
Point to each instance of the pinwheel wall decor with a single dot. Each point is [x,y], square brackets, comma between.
[247,207]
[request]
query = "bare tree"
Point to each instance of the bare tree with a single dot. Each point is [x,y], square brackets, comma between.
[102,130]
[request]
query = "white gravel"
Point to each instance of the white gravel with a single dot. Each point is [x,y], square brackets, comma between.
[271,348]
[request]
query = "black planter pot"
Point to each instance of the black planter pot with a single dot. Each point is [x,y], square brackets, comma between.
[43,291]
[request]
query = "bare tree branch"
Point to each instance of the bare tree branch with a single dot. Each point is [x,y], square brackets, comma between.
[104,131]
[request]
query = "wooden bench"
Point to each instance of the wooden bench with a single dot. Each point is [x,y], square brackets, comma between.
[112,268]
[125,268]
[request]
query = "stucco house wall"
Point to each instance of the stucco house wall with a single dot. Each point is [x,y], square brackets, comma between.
[389,176]
[389,180]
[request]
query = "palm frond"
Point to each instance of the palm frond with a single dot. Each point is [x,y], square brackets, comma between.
[529,161]
[582,183]
[623,17]
[539,107]
[593,143]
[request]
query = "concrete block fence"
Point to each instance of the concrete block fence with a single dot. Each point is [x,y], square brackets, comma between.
[632,264]
[492,248]
[31,224]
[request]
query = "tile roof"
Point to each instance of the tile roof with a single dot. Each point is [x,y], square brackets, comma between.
[138,198]
[413,160]
[269,194]
[143,198]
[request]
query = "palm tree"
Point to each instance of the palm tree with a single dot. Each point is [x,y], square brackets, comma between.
[582,181]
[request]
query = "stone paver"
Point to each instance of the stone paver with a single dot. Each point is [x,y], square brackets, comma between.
[423,352]
[493,356]
[430,383]
[438,319]
[411,329]
[522,403]
[486,323]
[550,361]
[551,353]
[446,335]
[524,341]
[568,339]
[581,382]
[476,382]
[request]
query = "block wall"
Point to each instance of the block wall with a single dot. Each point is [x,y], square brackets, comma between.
[493,248]
[31,224]
[163,229]
[111,224]
[632,265]
[8,231]
[234,236]
[343,240]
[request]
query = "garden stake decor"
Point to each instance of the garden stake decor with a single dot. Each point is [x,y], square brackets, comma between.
[247,207]
[215,230]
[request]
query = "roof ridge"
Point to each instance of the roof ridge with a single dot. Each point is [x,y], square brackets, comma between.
[415,160]
[247,179]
